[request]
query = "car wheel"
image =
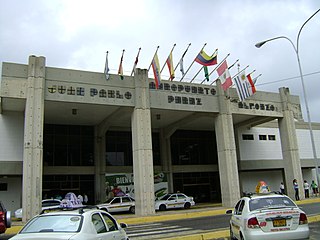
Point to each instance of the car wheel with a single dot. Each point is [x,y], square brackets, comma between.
[132,209]
[231,235]
[187,205]
[162,207]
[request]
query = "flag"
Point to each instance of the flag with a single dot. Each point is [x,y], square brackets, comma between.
[170,66]
[244,85]
[120,70]
[224,75]
[181,61]
[156,70]
[206,74]
[135,62]
[206,60]
[106,68]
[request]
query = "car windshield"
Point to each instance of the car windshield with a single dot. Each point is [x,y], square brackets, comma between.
[165,197]
[270,202]
[109,200]
[54,223]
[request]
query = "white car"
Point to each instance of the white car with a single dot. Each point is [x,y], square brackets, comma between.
[118,204]
[174,200]
[46,204]
[80,224]
[268,216]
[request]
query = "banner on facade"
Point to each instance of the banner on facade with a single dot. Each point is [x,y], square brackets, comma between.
[120,184]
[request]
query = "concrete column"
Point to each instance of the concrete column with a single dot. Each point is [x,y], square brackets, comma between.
[166,162]
[33,138]
[100,165]
[289,145]
[227,157]
[142,147]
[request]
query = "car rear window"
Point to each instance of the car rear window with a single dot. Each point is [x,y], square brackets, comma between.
[270,202]
[54,223]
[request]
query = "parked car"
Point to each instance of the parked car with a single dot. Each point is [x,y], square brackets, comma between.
[174,200]
[268,216]
[80,224]
[46,204]
[5,218]
[118,204]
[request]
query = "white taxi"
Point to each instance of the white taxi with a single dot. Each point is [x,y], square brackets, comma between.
[118,204]
[174,200]
[80,224]
[268,216]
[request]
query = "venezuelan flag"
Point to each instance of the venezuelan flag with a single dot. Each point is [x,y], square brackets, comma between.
[156,72]
[206,60]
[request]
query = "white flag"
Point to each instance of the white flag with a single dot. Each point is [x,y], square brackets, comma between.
[106,68]
[244,85]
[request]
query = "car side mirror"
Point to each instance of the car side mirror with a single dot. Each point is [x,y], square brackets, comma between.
[123,225]
[229,211]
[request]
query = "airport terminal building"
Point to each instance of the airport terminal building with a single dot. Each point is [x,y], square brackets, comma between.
[64,130]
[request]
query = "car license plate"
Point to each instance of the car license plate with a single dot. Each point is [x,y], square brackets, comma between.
[279,223]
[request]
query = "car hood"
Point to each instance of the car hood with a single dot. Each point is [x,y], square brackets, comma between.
[47,236]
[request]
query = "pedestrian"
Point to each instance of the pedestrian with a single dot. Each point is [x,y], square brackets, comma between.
[282,188]
[80,198]
[314,187]
[306,189]
[296,189]
[85,198]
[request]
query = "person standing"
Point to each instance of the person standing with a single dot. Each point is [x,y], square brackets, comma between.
[306,189]
[80,198]
[314,187]
[85,198]
[296,189]
[282,188]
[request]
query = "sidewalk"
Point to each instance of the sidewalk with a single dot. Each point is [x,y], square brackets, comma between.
[200,210]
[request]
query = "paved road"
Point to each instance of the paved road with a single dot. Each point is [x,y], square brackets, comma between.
[199,225]
[182,227]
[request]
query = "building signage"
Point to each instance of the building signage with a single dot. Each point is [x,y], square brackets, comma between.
[257,106]
[81,91]
[180,88]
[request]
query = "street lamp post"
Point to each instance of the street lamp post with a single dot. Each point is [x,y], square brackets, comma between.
[296,50]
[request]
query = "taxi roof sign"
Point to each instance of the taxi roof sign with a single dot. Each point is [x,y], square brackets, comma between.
[262,187]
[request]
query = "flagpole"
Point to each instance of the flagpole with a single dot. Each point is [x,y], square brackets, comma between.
[240,72]
[233,64]
[168,56]
[192,63]
[251,72]
[216,69]
[202,67]
[256,78]
[184,53]
[135,62]
[153,57]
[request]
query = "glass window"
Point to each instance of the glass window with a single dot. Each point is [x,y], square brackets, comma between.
[56,223]
[111,223]
[270,202]
[263,137]
[66,145]
[247,137]
[272,137]
[98,223]
[193,148]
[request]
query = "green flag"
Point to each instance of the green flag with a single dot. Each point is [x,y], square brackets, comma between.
[206,74]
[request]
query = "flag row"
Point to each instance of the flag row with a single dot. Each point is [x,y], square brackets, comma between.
[243,83]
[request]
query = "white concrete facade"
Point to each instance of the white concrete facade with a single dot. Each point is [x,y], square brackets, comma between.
[33,95]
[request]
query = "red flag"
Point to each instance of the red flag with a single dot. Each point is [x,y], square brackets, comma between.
[224,75]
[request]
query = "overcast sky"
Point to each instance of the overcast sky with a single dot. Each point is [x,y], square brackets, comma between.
[76,34]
